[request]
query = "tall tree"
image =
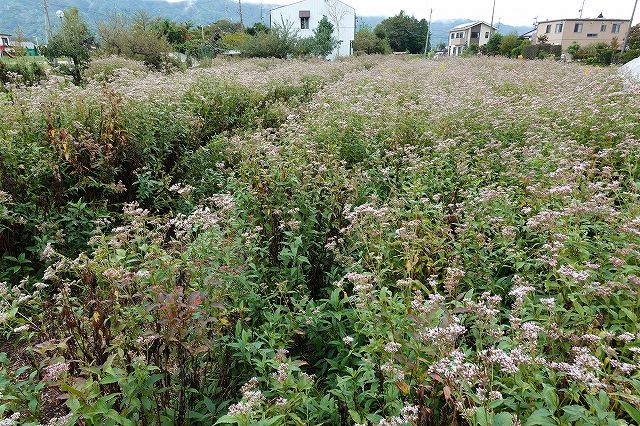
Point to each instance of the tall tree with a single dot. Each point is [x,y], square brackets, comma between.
[324,41]
[73,41]
[136,39]
[634,37]
[494,43]
[366,41]
[405,33]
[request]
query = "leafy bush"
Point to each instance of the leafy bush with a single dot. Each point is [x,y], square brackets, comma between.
[281,42]
[105,68]
[21,72]
[309,242]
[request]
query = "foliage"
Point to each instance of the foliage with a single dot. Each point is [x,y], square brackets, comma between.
[404,33]
[367,41]
[323,40]
[313,242]
[105,68]
[24,72]
[595,54]
[573,49]
[633,42]
[137,38]
[281,42]
[72,41]
[493,45]
[258,27]
[509,45]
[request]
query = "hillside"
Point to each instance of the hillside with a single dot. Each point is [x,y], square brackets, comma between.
[28,14]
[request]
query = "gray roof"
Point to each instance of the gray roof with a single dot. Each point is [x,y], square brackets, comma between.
[469,25]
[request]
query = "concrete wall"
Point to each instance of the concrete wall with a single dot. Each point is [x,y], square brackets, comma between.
[290,14]
[593,31]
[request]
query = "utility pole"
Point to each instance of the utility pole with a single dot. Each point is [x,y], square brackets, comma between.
[582,8]
[626,37]
[47,20]
[493,12]
[240,7]
[262,13]
[426,42]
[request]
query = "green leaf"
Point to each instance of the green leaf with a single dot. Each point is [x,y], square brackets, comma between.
[355,416]
[108,380]
[550,398]
[73,404]
[631,411]
[540,417]
[482,416]
[573,413]
[227,420]
[503,419]
[269,422]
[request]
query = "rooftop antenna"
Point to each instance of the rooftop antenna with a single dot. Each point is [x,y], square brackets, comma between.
[262,12]
[582,8]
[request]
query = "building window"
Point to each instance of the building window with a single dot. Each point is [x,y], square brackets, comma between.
[5,41]
[592,35]
[559,28]
[548,29]
[615,28]
[603,28]
[304,23]
[577,28]
[452,36]
[475,34]
[486,35]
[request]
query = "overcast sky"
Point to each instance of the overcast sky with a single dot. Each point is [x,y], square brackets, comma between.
[511,12]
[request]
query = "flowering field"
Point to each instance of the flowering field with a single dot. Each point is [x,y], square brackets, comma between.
[378,241]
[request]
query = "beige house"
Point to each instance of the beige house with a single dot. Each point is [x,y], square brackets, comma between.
[465,35]
[565,32]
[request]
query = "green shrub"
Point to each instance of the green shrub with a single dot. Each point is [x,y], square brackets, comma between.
[105,68]
[21,72]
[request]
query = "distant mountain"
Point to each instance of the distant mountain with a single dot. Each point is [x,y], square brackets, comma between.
[29,16]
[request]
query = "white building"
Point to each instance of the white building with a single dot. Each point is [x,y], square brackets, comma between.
[464,35]
[305,15]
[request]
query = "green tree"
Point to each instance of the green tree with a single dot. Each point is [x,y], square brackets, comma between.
[323,40]
[366,41]
[493,45]
[508,44]
[136,39]
[281,42]
[73,41]
[404,33]
[258,27]
[634,37]
[173,32]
